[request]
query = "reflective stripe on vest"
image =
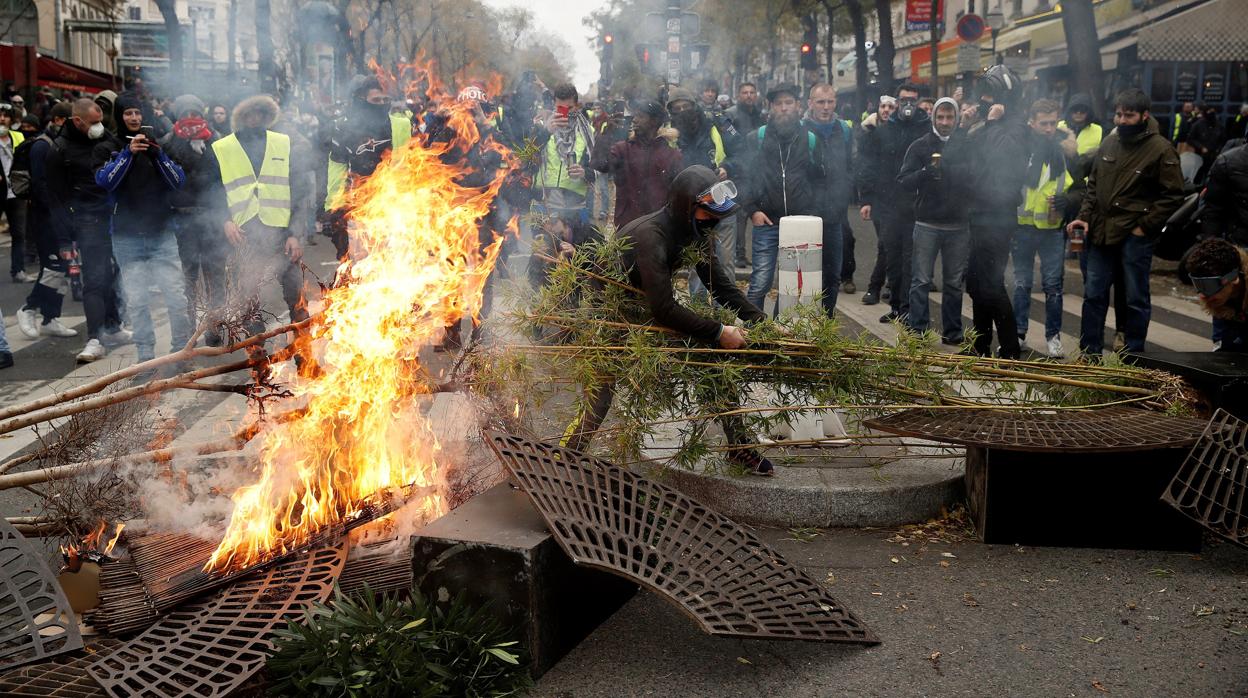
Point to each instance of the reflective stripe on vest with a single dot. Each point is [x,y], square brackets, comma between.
[249,196]
[719,155]
[1035,210]
[554,173]
[1178,123]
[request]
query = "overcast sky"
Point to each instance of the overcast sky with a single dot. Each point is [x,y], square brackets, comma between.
[563,19]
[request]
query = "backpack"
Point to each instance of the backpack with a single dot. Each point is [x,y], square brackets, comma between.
[19,172]
[811,139]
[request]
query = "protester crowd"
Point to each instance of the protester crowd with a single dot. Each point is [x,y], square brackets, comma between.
[118,199]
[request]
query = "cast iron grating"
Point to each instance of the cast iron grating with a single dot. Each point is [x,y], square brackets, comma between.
[1089,431]
[1212,484]
[208,648]
[724,577]
[59,678]
[36,620]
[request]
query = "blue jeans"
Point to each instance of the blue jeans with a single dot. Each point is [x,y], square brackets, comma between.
[832,255]
[954,247]
[148,260]
[1051,246]
[765,249]
[1134,257]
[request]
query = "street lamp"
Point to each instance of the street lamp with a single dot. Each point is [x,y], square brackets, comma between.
[996,20]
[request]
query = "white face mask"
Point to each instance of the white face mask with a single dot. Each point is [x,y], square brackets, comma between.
[96,131]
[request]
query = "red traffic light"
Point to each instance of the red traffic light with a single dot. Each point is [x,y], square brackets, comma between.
[606,39]
[805,48]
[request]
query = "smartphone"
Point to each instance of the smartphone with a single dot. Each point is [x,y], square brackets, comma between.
[563,111]
[149,132]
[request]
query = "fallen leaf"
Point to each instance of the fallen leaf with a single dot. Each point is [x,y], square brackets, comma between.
[1095,641]
[1099,686]
[831,579]
[1131,606]
[743,660]
[969,600]
[894,560]
[1200,665]
[944,563]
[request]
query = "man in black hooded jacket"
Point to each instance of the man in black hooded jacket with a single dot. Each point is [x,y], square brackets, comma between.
[657,242]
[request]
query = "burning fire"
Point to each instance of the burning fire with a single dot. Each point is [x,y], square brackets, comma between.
[93,544]
[420,267]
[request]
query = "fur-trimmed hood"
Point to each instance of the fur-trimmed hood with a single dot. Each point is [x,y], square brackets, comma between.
[262,104]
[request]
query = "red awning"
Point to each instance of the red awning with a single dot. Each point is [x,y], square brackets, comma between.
[15,66]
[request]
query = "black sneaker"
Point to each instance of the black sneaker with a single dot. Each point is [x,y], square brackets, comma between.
[886,294]
[892,316]
[754,461]
[870,298]
[951,342]
[848,286]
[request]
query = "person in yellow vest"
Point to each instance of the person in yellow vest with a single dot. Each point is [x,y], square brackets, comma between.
[358,141]
[262,204]
[1040,225]
[564,176]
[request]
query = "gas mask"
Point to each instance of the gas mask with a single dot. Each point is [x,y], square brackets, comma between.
[907,109]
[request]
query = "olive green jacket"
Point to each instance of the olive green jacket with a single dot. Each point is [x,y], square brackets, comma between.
[1134,182]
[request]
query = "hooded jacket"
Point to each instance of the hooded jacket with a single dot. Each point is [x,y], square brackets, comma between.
[881,152]
[1226,197]
[1134,182]
[138,184]
[781,174]
[655,251]
[939,193]
[642,174]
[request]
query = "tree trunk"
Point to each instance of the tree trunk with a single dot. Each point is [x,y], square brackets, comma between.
[264,47]
[1084,49]
[861,76]
[231,41]
[173,31]
[884,51]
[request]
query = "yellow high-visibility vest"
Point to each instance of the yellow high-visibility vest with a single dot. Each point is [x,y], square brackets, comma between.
[248,195]
[1178,123]
[554,174]
[1035,210]
[1087,140]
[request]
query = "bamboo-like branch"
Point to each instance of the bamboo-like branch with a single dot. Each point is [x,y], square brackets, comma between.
[589,273]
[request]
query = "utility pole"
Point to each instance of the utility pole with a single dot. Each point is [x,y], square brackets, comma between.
[935,43]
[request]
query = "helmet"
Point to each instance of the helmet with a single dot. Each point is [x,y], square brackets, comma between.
[1002,83]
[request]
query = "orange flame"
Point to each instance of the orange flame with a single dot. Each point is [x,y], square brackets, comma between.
[419,267]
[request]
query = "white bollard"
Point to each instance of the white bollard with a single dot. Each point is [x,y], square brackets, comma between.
[800,276]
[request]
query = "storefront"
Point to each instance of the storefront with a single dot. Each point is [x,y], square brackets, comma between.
[25,68]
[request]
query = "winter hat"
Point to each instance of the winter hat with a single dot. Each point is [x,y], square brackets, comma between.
[651,108]
[187,103]
[680,94]
[885,99]
[784,88]
[127,100]
[32,120]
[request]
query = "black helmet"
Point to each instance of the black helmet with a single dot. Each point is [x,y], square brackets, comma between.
[1002,83]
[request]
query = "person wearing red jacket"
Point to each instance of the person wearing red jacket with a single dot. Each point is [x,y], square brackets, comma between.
[642,166]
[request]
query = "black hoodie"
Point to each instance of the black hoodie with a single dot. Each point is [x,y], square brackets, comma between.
[656,249]
[881,153]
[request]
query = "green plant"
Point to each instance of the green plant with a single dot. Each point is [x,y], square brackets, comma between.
[367,646]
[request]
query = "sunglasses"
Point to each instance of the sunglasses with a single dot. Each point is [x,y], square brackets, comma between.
[719,197]
[1210,285]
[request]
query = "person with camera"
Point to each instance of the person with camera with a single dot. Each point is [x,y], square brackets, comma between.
[567,145]
[139,178]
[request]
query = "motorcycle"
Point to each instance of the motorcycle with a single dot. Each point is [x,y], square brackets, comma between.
[1181,233]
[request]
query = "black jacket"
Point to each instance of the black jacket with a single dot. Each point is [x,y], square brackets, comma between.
[197,191]
[782,175]
[880,154]
[939,196]
[999,150]
[656,245]
[1226,197]
[838,168]
[70,169]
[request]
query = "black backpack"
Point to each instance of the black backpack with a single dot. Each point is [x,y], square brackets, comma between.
[19,172]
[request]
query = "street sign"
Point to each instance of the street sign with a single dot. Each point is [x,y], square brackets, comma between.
[673,44]
[968,58]
[673,71]
[971,27]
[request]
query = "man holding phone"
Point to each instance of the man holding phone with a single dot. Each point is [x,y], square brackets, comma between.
[567,144]
[139,178]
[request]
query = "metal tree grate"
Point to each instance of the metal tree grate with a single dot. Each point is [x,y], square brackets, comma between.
[58,679]
[208,648]
[36,620]
[1212,484]
[721,575]
[1088,431]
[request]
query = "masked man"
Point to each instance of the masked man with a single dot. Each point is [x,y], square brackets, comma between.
[696,203]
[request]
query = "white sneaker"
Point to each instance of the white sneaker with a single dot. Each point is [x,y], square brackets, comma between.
[28,322]
[54,328]
[92,352]
[23,277]
[1055,348]
[116,339]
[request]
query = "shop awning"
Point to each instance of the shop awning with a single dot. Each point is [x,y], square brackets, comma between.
[22,65]
[1214,31]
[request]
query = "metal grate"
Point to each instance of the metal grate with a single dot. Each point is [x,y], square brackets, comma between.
[208,648]
[59,679]
[1088,431]
[1212,484]
[36,620]
[721,575]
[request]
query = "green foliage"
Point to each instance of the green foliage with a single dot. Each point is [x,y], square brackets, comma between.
[363,646]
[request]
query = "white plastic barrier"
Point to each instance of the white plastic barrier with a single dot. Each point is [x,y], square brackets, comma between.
[800,260]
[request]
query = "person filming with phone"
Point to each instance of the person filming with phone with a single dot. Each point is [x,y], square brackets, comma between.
[567,144]
[139,178]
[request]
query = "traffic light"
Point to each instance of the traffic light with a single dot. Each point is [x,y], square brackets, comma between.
[608,47]
[643,57]
[809,60]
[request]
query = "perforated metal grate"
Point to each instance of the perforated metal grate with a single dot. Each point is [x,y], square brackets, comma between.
[208,648]
[721,575]
[1089,431]
[60,678]
[36,620]
[1212,484]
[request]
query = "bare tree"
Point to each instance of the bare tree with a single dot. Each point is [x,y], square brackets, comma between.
[173,30]
[231,40]
[1084,48]
[861,76]
[264,46]
[884,47]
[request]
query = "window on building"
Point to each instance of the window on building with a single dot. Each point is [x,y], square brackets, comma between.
[135,13]
[1163,83]
[1239,84]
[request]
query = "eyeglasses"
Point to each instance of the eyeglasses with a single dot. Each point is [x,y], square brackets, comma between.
[719,197]
[1210,285]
